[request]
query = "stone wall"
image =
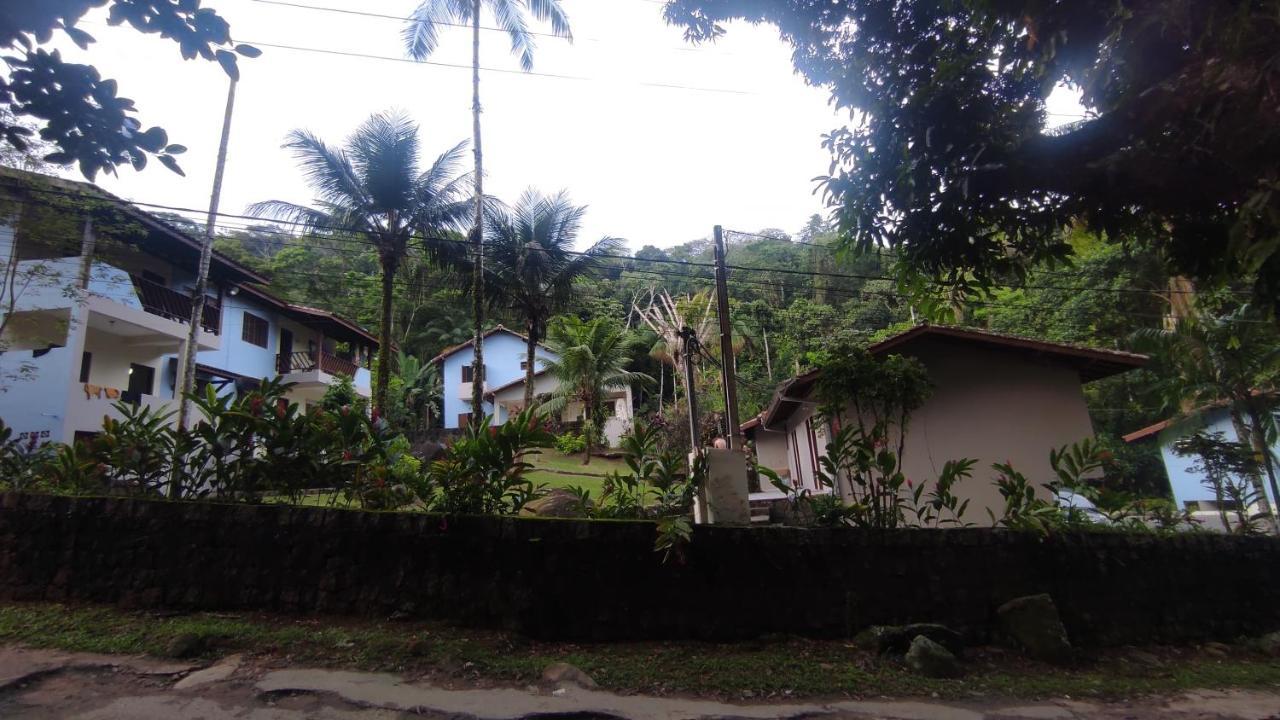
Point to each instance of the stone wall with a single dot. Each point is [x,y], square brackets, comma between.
[572,579]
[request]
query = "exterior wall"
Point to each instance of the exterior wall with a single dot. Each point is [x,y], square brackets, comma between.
[1187,484]
[503,353]
[804,448]
[771,449]
[619,422]
[238,356]
[987,405]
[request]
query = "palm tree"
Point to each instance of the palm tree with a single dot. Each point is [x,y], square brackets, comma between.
[373,188]
[592,364]
[532,264]
[421,37]
[1228,360]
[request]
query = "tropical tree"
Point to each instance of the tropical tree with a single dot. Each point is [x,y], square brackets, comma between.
[421,37]
[1230,359]
[592,364]
[533,266]
[374,189]
[417,390]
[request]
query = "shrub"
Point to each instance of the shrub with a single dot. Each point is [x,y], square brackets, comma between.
[571,443]
[483,472]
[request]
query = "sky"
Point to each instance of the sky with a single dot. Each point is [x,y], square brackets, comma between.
[661,139]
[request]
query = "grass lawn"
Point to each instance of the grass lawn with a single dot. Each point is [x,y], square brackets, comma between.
[552,466]
[781,667]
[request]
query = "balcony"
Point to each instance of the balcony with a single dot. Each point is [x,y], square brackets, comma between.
[311,361]
[170,304]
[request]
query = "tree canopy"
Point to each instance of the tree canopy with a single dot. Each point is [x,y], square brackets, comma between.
[948,159]
[80,112]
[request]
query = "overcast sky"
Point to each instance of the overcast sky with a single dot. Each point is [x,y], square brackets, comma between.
[738,144]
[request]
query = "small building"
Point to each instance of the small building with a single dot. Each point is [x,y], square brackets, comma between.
[1190,488]
[996,398]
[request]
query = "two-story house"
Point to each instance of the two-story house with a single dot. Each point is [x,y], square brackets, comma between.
[96,301]
[505,360]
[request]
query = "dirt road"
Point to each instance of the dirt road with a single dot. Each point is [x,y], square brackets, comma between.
[39,684]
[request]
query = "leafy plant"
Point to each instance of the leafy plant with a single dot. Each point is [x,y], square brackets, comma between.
[571,443]
[21,459]
[942,506]
[484,471]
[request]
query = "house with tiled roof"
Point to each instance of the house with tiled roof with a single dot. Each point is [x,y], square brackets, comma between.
[996,398]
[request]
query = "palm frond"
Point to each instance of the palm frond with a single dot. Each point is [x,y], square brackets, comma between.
[421,35]
[550,11]
[510,17]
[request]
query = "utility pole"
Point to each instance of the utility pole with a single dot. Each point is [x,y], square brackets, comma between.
[187,368]
[689,340]
[728,367]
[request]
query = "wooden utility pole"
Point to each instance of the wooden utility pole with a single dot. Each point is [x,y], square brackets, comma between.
[187,368]
[728,367]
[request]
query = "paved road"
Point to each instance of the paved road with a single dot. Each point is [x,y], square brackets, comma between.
[39,685]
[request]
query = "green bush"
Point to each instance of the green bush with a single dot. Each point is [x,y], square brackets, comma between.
[571,443]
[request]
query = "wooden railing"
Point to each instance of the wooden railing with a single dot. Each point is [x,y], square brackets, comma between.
[309,360]
[168,303]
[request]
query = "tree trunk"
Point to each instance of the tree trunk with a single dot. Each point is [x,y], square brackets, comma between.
[383,378]
[531,353]
[1258,436]
[768,363]
[477,237]
[1244,435]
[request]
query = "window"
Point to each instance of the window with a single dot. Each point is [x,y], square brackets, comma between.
[464,419]
[524,364]
[254,330]
[467,374]
[155,278]
[86,361]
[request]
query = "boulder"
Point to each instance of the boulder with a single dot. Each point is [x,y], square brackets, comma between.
[1268,644]
[896,639]
[557,503]
[1032,622]
[186,645]
[930,659]
[787,512]
[561,672]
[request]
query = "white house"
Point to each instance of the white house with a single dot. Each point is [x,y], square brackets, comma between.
[96,308]
[505,359]
[996,398]
[1188,485]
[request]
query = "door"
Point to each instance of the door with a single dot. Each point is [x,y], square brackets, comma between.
[142,380]
[286,351]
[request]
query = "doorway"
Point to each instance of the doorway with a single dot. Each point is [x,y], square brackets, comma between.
[286,351]
[142,380]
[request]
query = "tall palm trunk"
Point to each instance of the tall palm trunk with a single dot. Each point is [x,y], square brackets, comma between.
[1258,436]
[531,351]
[477,238]
[1245,434]
[390,264]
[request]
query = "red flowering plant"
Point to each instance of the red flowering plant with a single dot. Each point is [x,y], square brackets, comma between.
[485,470]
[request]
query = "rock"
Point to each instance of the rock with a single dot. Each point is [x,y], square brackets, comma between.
[224,669]
[1142,657]
[186,645]
[561,673]
[1033,623]
[557,503]
[896,639]
[1268,644]
[931,659]
[1216,649]
[419,647]
[786,512]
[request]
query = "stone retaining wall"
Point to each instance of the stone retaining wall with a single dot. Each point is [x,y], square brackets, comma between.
[571,579]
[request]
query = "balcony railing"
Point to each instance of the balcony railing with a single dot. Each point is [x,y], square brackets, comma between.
[309,360]
[168,303]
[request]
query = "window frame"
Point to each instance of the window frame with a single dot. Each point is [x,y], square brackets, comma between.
[264,333]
